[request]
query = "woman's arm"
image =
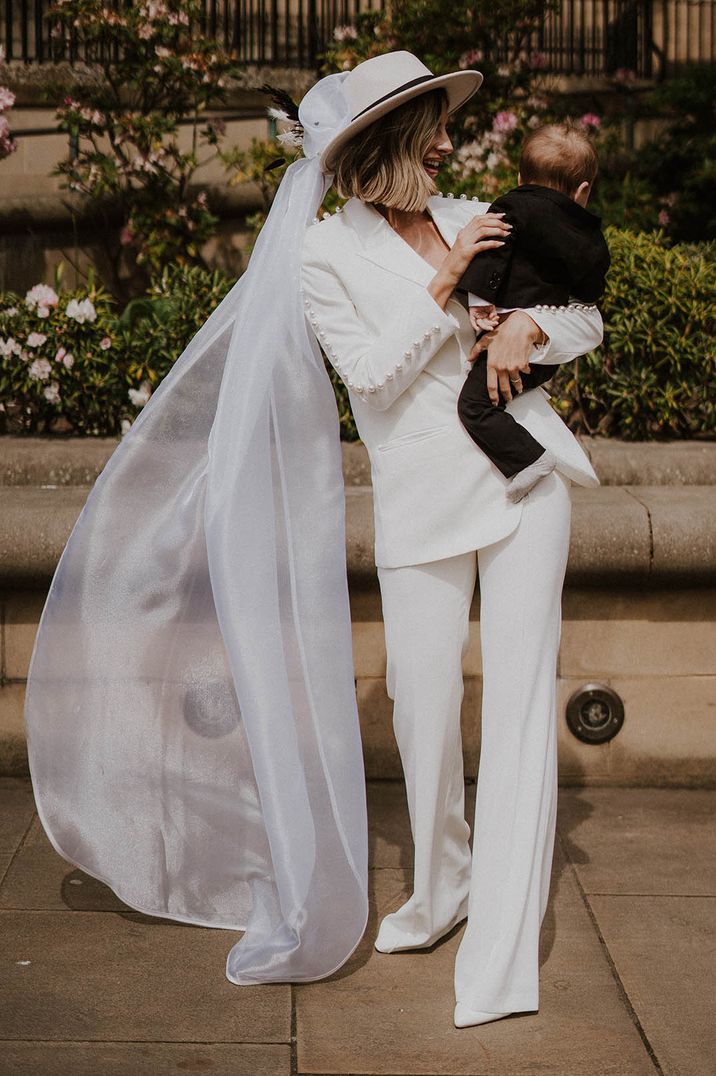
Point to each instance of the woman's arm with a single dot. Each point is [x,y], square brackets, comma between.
[536,335]
[378,368]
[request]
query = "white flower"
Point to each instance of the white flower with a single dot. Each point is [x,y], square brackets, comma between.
[39,370]
[10,311]
[51,392]
[140,396]
[36,339]
[41,297]
[9,347]
[126,426]
[81,311]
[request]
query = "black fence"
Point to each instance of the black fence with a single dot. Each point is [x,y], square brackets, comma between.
[580,37]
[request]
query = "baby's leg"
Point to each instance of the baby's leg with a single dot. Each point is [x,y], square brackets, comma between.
[512,449]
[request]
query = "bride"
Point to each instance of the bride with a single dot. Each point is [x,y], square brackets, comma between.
[191,716]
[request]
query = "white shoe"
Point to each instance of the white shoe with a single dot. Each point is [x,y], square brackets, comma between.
[392,940]
[465,1017]
[525,480]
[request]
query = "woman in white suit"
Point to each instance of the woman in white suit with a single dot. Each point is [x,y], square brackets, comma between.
[192,726]
[378,280]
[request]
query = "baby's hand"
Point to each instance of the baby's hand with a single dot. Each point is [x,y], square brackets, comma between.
[484,318]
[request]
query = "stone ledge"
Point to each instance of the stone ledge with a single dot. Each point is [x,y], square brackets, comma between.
[629,535]
[77,461]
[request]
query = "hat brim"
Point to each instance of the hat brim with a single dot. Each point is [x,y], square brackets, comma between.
[460,86]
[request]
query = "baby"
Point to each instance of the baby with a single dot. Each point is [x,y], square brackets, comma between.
[555,251]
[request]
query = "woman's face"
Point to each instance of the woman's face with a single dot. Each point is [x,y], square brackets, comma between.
[440,146]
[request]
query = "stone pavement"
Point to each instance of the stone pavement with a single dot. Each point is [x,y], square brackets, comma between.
[89,987]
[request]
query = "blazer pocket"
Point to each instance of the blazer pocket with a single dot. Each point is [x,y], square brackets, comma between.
[413,438]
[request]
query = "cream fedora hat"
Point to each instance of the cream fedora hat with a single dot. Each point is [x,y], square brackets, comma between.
[378,85]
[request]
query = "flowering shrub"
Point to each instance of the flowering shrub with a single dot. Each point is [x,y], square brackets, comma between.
[157,71]
[57,361]
[67,361]
[653,375]
[8,144]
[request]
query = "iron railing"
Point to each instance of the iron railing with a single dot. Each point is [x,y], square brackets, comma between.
[580,37]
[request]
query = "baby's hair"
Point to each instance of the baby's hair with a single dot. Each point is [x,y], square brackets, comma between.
[558,155]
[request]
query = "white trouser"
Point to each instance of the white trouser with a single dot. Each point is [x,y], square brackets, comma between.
[503,886]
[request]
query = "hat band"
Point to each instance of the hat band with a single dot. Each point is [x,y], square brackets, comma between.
[399,89]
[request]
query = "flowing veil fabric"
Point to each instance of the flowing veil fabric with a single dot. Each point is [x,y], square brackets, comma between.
[191,714]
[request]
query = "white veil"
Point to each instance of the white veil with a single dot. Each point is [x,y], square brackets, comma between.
[191,715]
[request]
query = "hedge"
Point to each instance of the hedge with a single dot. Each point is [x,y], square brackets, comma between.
[69,362]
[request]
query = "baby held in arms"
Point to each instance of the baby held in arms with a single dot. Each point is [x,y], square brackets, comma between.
[554,253]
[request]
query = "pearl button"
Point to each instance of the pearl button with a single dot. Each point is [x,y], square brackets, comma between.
[463,197]
[450,194]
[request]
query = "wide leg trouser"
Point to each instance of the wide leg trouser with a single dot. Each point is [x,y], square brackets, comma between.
[504,884]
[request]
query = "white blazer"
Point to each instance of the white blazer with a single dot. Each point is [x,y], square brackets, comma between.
[404,359]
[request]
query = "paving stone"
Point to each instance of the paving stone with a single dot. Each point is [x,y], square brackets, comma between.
[663,951]
[142,1059]
[393,1013]
[641,840]
[128,977]
[17,806]
[40,879]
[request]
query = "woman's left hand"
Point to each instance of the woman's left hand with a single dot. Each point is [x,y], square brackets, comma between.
[509,347]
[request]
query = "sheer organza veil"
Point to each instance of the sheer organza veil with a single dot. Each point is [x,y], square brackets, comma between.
[190,710]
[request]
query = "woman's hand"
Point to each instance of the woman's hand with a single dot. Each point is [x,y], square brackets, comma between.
[509,347]
[484,232]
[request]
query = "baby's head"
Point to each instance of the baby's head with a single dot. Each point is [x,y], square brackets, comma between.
[561,156]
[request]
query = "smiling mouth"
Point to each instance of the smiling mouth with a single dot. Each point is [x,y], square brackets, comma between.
[432,165]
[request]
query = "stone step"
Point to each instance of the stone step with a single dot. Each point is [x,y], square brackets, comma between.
[629,534]
[69,461]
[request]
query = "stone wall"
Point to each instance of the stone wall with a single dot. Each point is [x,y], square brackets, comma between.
[639,605]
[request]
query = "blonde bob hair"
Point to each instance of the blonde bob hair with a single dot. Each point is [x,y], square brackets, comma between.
[384,162]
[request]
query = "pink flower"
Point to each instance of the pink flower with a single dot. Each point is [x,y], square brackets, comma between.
[126,236]
[36,339]
[472,56]
[664,218]
[105,343]
[7,98]
[41,297]
[591,119]
[504,122]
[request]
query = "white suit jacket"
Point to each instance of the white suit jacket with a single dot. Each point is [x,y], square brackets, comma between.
[404,359]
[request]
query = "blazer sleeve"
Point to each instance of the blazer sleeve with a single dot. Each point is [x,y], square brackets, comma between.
[378,367]
[572,330]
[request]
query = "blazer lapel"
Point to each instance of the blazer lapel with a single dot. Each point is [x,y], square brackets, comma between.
[381,244]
